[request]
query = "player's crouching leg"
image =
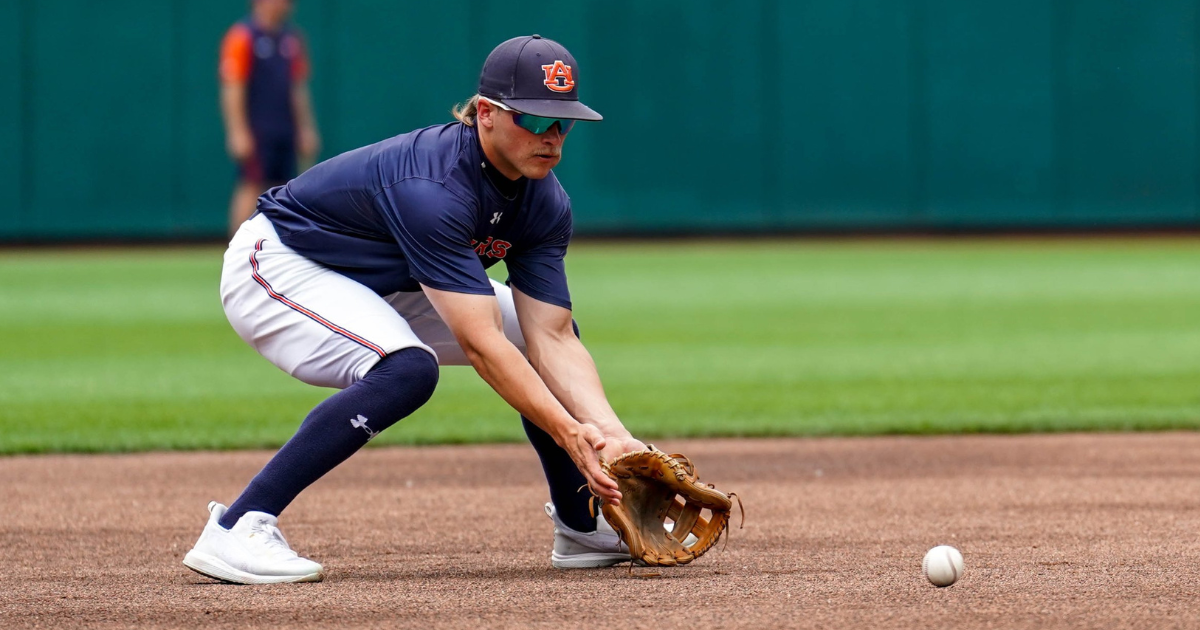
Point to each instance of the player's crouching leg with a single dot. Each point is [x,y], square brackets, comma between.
[242,544]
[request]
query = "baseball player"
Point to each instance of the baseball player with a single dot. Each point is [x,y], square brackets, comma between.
[265,103]
[366,273]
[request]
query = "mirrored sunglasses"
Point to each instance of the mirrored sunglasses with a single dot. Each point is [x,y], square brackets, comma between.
[535,124]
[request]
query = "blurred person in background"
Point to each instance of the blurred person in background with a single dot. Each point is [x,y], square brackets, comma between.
[265,103]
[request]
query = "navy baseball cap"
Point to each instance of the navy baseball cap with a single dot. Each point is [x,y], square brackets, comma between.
[536,76]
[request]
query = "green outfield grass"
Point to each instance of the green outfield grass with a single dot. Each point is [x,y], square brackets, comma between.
[128,349]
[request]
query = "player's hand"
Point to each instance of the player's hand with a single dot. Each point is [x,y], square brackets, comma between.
[240,145]
[584,448]
[616,446]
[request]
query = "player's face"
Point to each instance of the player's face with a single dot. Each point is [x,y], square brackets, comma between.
[533,155]
[274,11]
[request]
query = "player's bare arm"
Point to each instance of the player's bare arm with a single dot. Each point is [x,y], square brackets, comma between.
[307,137]
[476,323]
[568,370]
[238,139]
[236,61]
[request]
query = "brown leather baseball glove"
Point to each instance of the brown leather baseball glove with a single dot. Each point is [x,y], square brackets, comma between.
[655,487]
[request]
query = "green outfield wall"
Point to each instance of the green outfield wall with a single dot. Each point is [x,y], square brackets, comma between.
[720,116]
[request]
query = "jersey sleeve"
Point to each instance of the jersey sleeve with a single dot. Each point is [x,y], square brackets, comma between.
[433,228]
[237,54]
[540,272]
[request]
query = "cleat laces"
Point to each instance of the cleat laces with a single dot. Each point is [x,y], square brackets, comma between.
[271,540]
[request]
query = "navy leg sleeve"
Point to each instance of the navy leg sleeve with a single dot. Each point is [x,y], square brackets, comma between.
[337,428]
[564,479]
[563,476]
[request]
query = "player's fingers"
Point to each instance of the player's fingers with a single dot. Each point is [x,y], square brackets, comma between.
[602,480]
[606,489]
[601,484]
[595,439]
[585,452]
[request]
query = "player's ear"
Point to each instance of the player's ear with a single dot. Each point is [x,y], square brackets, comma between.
[485,114]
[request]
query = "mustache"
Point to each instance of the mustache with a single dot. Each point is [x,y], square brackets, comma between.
[551,153]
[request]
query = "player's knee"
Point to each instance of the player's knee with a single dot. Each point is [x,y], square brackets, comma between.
[425,373]
[421,373]
[409,375]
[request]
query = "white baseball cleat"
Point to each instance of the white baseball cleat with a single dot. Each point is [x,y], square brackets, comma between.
[585,550]
[589,550]
[253,552]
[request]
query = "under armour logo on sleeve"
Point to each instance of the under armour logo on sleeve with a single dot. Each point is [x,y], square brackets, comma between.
[495,217]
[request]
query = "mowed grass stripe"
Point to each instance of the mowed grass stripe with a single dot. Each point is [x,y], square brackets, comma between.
[120,350]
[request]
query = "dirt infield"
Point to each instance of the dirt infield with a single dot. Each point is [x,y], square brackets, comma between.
[1079,531]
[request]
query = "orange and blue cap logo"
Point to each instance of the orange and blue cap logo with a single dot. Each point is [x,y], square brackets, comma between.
[558,77]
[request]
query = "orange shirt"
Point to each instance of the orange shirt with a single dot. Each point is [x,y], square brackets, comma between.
[238,53]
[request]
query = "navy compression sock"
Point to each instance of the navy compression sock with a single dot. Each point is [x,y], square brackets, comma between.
[564,479]
[337,428]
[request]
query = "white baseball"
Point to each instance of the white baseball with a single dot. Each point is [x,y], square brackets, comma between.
[943,565]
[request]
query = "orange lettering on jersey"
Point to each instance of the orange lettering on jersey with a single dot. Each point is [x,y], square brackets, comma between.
[558,77]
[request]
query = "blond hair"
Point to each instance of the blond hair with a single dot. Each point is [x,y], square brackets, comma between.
[467,111]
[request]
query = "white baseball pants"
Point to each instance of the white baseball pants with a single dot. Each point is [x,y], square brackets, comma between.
[322,327]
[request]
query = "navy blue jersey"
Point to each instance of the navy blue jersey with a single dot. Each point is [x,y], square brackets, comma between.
[418,208]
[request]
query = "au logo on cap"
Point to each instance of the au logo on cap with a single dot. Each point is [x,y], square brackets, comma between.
[558,76]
